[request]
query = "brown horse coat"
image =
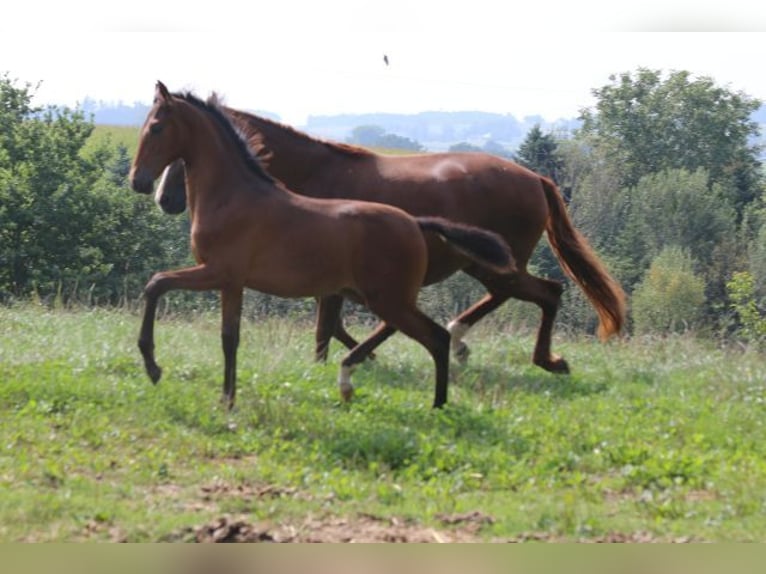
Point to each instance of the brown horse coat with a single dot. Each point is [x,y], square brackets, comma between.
[473,188]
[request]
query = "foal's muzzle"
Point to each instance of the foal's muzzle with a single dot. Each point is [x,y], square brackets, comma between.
[172,206]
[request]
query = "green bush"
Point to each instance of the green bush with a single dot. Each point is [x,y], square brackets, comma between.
[671,296]
[741,290]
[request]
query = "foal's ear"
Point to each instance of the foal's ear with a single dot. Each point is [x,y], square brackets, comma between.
[161,93]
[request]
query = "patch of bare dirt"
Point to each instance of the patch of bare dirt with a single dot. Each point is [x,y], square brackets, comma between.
[371,529]
[461,527]
[363,528]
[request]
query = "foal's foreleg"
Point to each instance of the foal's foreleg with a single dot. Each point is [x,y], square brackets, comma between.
[231,311]
[197,278]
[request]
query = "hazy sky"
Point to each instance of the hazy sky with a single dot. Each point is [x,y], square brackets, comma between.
[326,56]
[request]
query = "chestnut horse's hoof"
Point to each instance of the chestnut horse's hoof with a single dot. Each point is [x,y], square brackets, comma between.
[347,393]
[555,365]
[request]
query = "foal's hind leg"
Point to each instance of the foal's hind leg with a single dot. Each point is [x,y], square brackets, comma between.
[435,338]
[545,293]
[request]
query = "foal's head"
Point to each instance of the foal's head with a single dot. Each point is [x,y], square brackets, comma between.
[159,141]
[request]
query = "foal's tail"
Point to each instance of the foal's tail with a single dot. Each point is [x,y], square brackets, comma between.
[581,264]
[484,247]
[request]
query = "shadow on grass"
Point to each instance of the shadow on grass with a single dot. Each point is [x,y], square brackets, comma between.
[483,380]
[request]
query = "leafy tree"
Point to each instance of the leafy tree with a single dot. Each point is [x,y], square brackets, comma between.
[647,124]
[495,148]
[757,262]
[393,141]
[366,135]
[464,146]
[376,136]
[674,207]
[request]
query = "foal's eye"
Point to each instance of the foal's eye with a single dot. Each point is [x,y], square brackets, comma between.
[155,128]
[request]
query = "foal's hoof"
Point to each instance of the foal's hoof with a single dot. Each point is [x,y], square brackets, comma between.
[462,352]
[555,364]
[154,372]
[227,402]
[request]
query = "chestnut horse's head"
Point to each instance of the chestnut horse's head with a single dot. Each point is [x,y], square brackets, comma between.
[171,191]
[159,141]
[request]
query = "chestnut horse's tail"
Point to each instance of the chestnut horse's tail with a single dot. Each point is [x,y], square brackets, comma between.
[486,248]
[581,264]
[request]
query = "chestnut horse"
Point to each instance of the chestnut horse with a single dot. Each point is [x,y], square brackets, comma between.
[477,189]
[248,230]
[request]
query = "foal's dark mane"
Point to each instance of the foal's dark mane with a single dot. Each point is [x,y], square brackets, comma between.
[213,107]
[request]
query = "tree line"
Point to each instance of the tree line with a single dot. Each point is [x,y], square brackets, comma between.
[663,177]
[70,227]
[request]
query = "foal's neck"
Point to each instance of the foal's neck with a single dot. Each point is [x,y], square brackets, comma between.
[216,167]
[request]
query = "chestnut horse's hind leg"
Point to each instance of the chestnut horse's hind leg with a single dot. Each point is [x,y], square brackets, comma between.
[358,354]
[545,293]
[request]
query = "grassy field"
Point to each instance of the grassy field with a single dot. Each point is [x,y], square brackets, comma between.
[128,136]
[646,440]
[124,135]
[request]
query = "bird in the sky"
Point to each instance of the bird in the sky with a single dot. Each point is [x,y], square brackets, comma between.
[385,59]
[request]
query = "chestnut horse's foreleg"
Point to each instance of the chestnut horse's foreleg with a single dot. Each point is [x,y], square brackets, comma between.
[231,312]
[198,278]
[358,354]
[329,325]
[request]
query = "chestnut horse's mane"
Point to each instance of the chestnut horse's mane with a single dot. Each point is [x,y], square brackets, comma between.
[235,131]
[255,138]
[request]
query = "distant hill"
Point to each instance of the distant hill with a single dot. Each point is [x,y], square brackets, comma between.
[439,130]
[111,114]
[435,131]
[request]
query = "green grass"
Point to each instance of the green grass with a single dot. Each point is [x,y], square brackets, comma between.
[129,135]
[664,437]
